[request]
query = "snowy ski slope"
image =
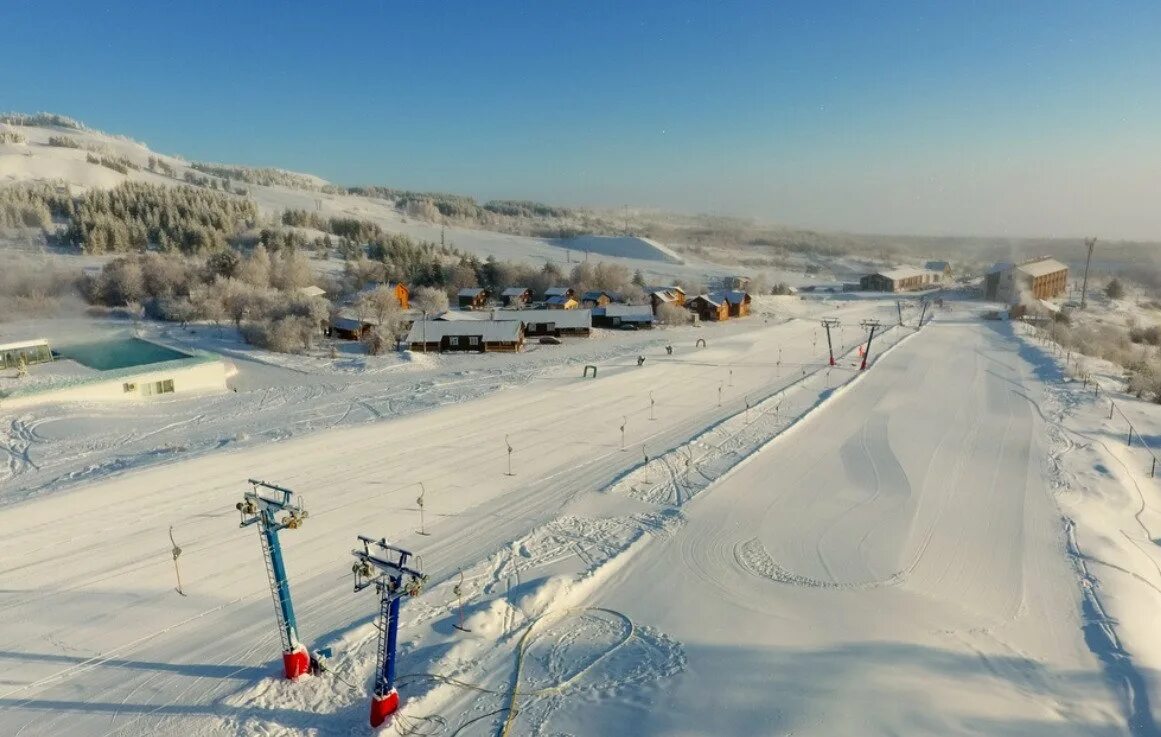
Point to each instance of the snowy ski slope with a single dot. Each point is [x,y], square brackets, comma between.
[824,553]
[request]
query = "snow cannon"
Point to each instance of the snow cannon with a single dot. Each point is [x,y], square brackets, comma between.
[386,568]
[261,506]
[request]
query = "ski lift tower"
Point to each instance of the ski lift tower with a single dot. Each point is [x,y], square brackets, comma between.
[828,323]
[872,326]
[261,506]
[385,567]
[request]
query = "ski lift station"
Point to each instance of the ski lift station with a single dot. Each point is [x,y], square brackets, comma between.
[115,369]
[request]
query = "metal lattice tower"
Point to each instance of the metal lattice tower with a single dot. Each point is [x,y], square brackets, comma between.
[386,568]
[262,509]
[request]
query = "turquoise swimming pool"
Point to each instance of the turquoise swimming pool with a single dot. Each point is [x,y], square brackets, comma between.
[119,353]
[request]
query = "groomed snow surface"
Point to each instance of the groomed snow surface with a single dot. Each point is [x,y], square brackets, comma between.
[950,543]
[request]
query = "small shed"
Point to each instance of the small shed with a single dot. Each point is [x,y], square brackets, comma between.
[466,336]
[709,308]
[517,296]
[559,292]
[348,326]
[473,298]
[561,302]
[942,268]
[599,298]
[402,293]
[312,291]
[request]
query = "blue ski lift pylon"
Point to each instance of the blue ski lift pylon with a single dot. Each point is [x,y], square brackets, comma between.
[263,509]
[386,568]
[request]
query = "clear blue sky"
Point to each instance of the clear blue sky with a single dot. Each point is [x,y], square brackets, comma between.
[1026,117]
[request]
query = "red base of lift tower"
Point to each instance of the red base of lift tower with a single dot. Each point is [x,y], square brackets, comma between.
[383,707]
[296,662]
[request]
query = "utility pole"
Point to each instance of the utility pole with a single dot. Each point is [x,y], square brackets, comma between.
[828,323]
[1090,243]
[871,325]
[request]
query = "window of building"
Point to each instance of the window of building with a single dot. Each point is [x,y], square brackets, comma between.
[473,341]
[150,388]
[453,341]
[129,387]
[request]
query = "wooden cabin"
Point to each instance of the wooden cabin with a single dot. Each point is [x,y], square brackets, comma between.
[943,268]
[561,302]
[466,336]
[599,298]
[674,294]
[402,293]
[517,297]
[536,322]
[620,316]
[559,292]
[666,295]
[737,302]
[708,309]
[473,298]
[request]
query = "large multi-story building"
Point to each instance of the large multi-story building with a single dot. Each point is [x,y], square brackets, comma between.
[1043,278]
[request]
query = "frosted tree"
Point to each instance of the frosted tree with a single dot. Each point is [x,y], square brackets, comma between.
[255,269]
[429,300]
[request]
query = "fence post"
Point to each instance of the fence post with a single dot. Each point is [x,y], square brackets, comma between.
[1130,442]
[1111,405]
[1153,470]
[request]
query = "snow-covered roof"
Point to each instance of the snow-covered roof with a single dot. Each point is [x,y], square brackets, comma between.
[1043,267]
[733,296]
[490,330]
[936,265]
[350,323]
[470,292]
[714,299]
[461,315]
[903,272]
[559,299]
[595,294]
[625,311]
[514,292]
[562,318]
[30,343]
[1000,266]
[557,291]
[350,320]
[312,291]
[667,294]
